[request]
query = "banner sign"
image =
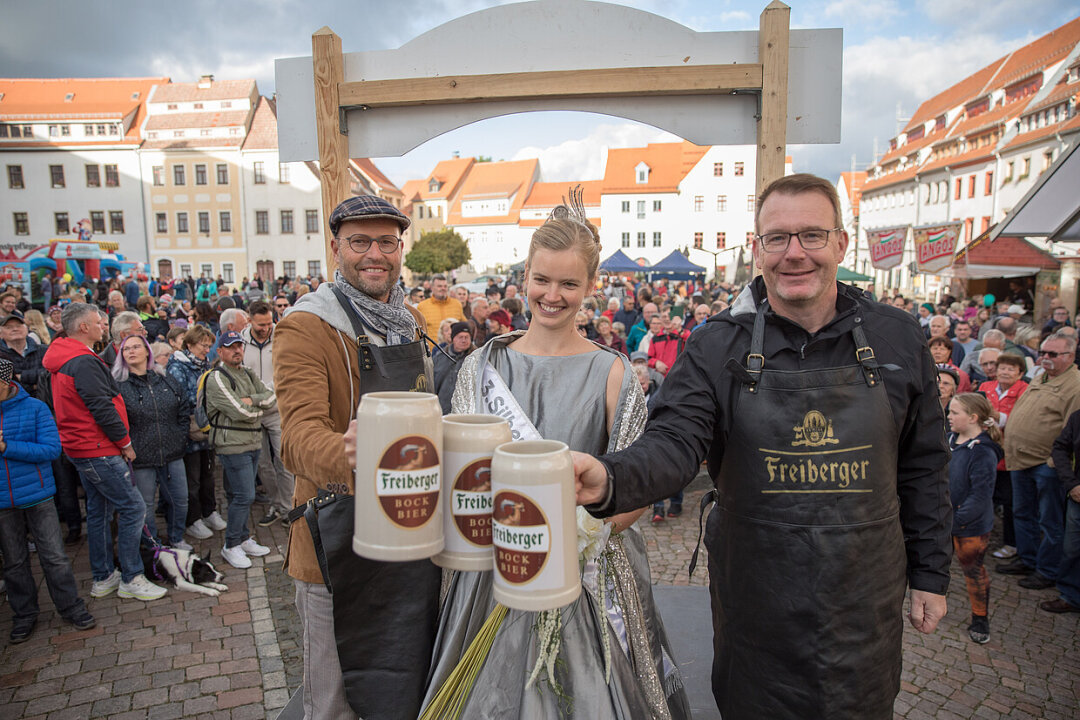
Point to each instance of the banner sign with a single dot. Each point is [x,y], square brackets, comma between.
[935,246]
[887,246]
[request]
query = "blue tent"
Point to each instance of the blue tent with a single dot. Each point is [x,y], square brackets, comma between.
[675,267]
[619,262]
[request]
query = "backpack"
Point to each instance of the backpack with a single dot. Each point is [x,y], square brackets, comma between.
[203,419]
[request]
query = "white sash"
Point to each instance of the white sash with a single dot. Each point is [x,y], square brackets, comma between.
[496,399]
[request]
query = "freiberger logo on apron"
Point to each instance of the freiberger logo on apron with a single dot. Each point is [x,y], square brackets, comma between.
[816,471]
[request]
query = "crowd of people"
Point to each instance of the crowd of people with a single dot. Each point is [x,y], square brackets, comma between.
[120,401]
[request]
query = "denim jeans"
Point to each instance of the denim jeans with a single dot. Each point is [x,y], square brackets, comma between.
[675,501]
[107,481]
[1039,506]
[200,480]
[239,475]
[40,524]
[1068,582]
[172,479]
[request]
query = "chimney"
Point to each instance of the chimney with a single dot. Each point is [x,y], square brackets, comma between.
[457,154]
[205,82]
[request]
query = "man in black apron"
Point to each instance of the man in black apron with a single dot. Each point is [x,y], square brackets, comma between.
[369,627]
[817,411]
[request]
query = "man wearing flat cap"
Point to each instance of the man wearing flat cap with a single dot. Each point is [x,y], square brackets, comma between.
[369,627]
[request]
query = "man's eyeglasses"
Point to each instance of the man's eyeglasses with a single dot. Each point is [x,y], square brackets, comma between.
[809,239]
[362,243]
[1052,355]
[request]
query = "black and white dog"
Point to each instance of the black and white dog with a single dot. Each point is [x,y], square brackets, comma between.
[183,569]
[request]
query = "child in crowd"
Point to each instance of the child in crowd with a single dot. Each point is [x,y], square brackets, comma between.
[972,470]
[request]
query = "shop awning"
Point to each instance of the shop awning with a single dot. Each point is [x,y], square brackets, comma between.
[1008,257]
[1051,209]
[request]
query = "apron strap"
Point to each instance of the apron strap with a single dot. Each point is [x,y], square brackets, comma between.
[865,354]
[311,515]
[706,500]
[755,361]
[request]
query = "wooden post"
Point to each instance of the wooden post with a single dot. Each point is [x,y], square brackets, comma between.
[773,42]
[329,73]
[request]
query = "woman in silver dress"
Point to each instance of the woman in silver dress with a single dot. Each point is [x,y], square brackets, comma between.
[613,660]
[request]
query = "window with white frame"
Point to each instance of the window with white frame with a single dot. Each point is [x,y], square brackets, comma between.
[641,239]
[204,222]
[206,270]
[259,173]
[222,173]
[656,242]
[56,174]
[181,222]
[93,176]
[162,221]
[283,172]
[640,209]
[63,225]
[288,268]
[699,203]
[22,223]
[626,206]
[225,221]
[286,222]
[626,239]
[227,272]
[185,270]
[116,222]
[112,176]
[262,222]
[314,268]
[311,221]
[656,205]
[200,174]
[178,177]
[158,171]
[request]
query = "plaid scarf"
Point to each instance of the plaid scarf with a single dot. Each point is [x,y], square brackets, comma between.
[391,317]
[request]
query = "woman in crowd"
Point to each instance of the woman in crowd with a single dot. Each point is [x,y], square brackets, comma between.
[586,396]
[444,331]
[941,350]
[186,367]
[53,321]
[975,453]
[207,317]
[1003,392]
[948,377]
[607,337]
[158,412]
[162,352]
[115,305]
[35,321]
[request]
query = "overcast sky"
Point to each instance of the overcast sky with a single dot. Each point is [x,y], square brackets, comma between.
[897,53]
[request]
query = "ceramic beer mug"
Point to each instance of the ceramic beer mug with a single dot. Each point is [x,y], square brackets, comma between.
[468,443]
[534,525]
[398,476]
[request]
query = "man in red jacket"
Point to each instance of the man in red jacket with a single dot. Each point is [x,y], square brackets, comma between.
[92,420]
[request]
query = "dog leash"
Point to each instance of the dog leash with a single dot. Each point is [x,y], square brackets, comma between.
[160,550]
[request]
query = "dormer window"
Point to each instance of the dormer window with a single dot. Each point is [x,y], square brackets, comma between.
[434,185]
[641,173]
[69,97]
[134,96]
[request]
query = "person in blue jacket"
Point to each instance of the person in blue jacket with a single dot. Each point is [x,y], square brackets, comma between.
[29,442]
[974,442]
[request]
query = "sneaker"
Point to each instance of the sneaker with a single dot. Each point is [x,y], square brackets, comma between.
[199,531]
[285,519]
[270,518]
[979,630]
[262,498]
[82,620]
[253,548]
[214,521]
[1036,581]
[22,630]
[1005,552]
[236,557]
[183,545]
[658,517]
[1016,567]
[674,511]
[31,547]
[1057,605]
[140,589]
[103,588]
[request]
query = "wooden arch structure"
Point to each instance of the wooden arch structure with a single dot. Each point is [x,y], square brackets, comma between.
[765,88]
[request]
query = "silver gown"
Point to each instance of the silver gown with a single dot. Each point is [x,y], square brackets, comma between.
[565,399]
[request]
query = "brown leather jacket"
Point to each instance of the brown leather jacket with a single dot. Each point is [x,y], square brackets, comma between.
[312,368]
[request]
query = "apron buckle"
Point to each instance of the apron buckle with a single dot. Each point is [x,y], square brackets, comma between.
[755,362]
[864,354]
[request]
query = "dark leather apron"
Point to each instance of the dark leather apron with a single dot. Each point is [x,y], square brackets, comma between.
[385,613]
[806,553]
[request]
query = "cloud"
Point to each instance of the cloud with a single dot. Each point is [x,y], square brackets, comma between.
[585,159]
[982,16]
[855,10]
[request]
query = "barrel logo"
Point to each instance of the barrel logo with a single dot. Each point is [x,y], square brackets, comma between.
[522,537]
[407,481]
[470,502]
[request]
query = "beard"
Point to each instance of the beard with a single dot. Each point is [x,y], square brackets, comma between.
[378,288]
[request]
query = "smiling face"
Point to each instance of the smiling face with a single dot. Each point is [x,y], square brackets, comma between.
[796,277]
[373,272]
[556,283]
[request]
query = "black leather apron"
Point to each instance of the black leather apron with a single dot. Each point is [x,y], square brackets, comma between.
[806,553]
[385,613]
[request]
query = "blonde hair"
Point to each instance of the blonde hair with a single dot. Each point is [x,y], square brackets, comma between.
[558,234]
[36,322]
[976,404]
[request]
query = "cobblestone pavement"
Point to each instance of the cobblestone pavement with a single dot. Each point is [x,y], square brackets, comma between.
[239,655]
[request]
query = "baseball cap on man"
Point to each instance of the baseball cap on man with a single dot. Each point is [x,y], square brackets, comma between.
[639,355]
[366,207]
[230,338]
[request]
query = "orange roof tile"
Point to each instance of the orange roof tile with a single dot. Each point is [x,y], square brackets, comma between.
[375,175]
[262,135]
[209,119]
[1043,132]
[1059,94]
[1050,48]
[511,180]
[668,164]
[449,173]
[546,195]
[192,143]
[91,99]
[853,183]
[411,190]
[968,157]
[191,92]
[970,87]
[889,179]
